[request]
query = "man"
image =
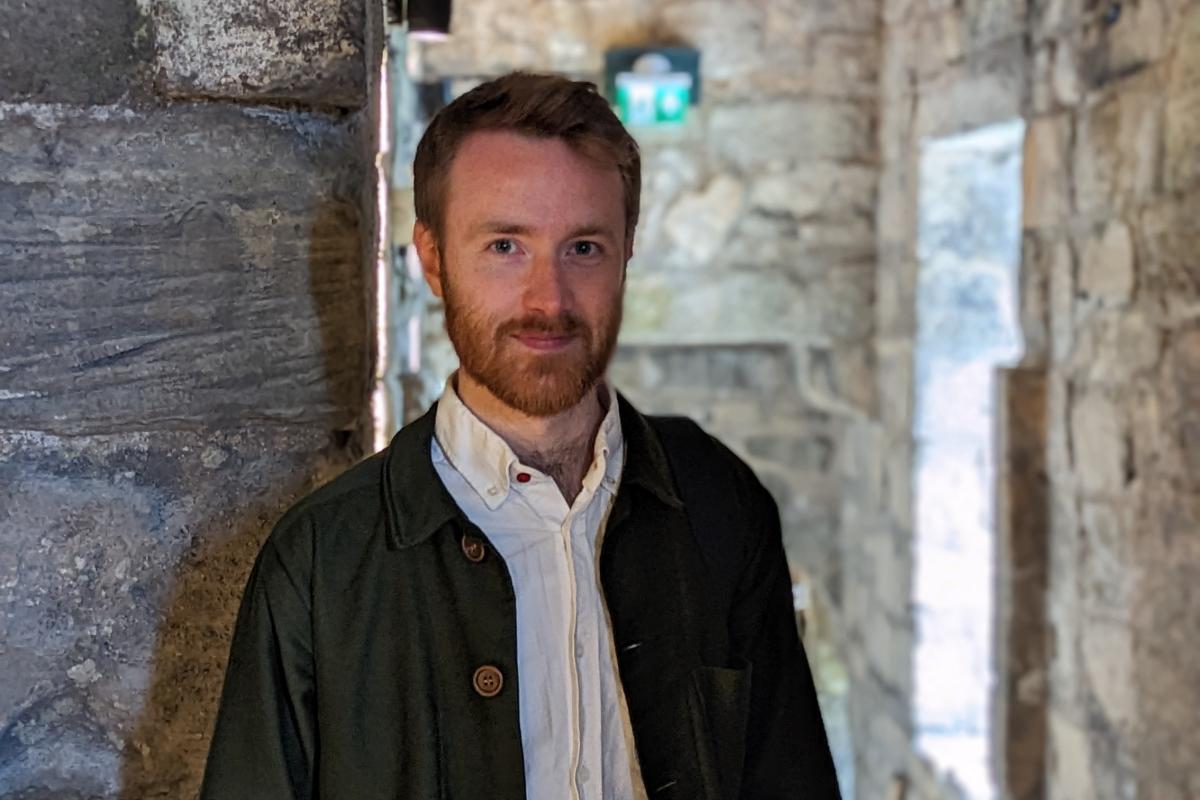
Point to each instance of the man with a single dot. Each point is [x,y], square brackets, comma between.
[513,600]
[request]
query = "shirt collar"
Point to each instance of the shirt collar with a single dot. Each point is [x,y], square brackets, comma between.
[417,503]
[488,464]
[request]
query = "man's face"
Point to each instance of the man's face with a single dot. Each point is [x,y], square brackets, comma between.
[531,267]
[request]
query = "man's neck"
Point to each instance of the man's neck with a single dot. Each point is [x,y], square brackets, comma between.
[560,445]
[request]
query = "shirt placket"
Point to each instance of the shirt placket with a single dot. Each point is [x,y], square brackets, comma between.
[588,771]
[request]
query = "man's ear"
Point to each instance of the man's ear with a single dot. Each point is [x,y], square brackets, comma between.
[431,259]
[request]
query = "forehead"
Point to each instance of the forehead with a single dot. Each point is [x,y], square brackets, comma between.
[531,178]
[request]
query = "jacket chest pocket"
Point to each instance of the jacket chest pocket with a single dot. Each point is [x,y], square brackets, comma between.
[693,743]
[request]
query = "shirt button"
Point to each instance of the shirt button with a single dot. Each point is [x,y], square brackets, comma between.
[473,548]
[488,681]
[493,490]
[579,651]
[583,774]
[524,477]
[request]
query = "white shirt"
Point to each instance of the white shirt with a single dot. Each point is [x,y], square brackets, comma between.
[575,729]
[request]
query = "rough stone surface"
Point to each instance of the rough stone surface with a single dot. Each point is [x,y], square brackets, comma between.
[124,559]
[183,352]
[1111,298]
[1183,106]
[154,278]
[698,224]
[1106,267]
[1117,161]
[290,51]
[753,135]
[88,53]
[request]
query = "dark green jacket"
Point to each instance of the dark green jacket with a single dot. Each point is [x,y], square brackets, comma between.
[352,674]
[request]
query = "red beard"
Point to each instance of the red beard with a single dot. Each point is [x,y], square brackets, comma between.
[539,384]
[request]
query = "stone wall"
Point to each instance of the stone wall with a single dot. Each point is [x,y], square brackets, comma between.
[1109,311]
[184,223]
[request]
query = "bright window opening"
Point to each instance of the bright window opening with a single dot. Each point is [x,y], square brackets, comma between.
[969,254]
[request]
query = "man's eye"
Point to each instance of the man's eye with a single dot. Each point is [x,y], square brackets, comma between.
[585,249]
[503,247]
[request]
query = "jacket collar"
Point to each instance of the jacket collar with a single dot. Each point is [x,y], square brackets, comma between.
[417,503]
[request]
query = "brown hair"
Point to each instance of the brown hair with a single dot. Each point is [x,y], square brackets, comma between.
[544,106]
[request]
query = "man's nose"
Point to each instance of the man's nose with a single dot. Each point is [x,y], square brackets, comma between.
[546,289]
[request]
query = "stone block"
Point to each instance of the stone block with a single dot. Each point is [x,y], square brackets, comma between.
[1100,445]
[988,21]
[1057,264]
[821,16]
[1056,79]
[1111,349]
[713,369]
[809,250]
[988,88]
[1121,40]
[732,306]
[842,304]
[817,188]
[729,35]
[842,378]
[814,453]
[306,52]
[1107,583]
[698,224]
[837,64]
[1183,106]
[124,561]
[1180,392]
[1106,266]
[668,172]
[1046,177]
[1053,18]
[1117,158]
[1169,258]
[769,134]
[194,265]
[1070,759]
[88,53]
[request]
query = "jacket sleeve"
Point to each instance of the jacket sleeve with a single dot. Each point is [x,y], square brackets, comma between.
[264,744]
[787,753]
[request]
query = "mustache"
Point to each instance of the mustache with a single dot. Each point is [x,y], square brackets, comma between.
[566,324]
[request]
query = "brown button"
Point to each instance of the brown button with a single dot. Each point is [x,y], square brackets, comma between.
[488,681]
[524,477]
[473,548]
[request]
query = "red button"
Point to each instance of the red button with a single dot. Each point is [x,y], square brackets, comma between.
[523,477]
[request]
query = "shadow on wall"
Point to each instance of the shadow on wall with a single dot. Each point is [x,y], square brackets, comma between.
[164,755]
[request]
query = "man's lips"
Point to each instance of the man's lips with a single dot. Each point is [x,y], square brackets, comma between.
[545,341]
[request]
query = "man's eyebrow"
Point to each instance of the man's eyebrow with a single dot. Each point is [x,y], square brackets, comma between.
[502,227]
[592,230]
